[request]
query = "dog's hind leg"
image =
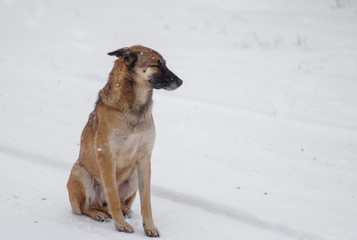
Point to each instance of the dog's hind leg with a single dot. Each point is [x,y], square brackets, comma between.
[95,214]
[105,210]
[76,190]
[126,206]
[85,195]
[127,190]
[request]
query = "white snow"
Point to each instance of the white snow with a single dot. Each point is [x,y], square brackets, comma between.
[260,142]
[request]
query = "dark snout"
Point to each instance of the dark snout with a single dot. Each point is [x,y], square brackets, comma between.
[173,82]
[167,80]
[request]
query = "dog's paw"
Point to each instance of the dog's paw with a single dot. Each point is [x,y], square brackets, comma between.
[101,217]
[124,227]
[126,212]
[152,232]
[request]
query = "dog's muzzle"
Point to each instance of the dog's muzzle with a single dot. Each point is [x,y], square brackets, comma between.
[174,83]
[168,82]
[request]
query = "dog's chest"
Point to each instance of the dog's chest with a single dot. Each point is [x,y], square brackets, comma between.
[129,146]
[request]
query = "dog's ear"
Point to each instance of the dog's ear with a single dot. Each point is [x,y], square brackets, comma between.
[119,52]
[128,55]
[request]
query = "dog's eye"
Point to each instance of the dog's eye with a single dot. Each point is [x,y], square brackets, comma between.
[156,66]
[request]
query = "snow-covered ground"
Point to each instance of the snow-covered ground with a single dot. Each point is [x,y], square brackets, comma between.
[260,142]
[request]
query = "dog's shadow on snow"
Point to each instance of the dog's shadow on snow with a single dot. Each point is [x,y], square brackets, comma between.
[230,212]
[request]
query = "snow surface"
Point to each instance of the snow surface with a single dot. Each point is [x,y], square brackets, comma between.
[260,142]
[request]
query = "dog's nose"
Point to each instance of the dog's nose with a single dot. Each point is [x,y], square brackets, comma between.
[179,82]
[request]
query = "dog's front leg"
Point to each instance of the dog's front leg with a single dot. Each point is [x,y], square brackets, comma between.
[144,175]
[108,176]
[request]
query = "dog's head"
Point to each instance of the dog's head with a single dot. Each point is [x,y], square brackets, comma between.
[147,67]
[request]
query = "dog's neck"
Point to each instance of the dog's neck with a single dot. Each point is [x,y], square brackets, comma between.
[124,94]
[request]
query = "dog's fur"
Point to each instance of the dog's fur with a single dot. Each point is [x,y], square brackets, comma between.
[118,139]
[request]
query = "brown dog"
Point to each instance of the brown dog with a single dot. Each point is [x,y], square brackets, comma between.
[118,139]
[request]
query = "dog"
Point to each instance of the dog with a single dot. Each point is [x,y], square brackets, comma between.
[117,141]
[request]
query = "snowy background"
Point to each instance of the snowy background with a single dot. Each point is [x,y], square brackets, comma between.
[260,142]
